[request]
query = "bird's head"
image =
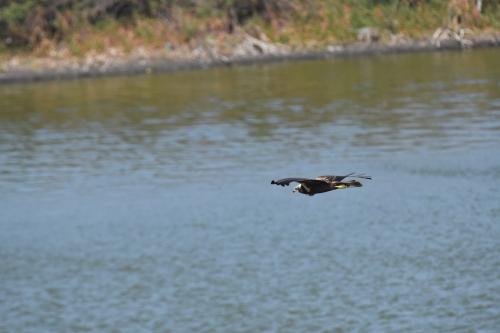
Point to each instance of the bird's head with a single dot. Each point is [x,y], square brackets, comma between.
[299,188]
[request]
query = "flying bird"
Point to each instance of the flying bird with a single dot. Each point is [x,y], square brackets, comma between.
[321,184]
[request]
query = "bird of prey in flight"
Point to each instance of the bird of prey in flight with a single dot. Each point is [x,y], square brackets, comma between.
[321,184]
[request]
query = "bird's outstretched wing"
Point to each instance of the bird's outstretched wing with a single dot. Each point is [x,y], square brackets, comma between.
[305,181]
[332,179]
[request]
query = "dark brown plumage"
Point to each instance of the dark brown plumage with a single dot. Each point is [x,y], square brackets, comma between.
[321,184]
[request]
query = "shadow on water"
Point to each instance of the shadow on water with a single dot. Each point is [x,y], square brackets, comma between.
[144,203]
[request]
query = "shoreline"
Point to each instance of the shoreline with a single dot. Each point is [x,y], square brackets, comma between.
[255,52]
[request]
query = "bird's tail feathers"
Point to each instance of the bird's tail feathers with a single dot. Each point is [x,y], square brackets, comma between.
[343,185]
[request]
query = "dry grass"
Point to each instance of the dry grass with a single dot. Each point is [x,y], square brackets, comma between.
[296,23]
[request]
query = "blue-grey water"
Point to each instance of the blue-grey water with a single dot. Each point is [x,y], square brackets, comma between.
[144,204]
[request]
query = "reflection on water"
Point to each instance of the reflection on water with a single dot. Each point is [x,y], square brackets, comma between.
[144,204]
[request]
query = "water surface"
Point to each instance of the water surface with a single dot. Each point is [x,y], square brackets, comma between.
[143,204]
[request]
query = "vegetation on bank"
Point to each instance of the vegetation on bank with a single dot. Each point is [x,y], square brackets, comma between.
[41,26]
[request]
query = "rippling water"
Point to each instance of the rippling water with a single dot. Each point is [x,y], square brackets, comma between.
[143,204]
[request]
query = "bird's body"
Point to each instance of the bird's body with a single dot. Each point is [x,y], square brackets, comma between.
[321,184]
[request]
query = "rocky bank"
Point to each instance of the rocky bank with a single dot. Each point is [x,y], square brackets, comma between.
[240,48]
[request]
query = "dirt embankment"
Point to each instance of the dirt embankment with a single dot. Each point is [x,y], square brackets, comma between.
[44,40]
